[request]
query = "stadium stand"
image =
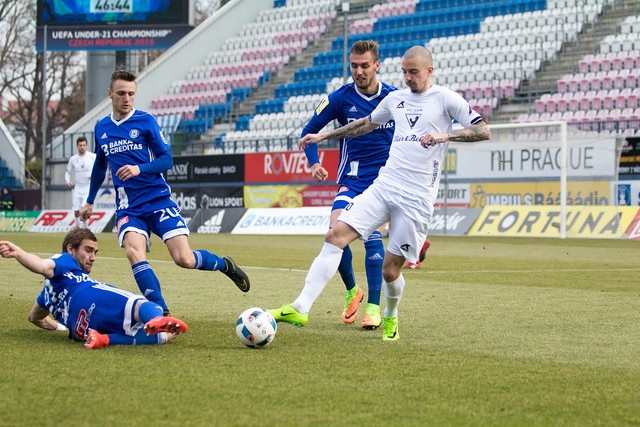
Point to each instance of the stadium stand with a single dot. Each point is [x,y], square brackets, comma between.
[514,60]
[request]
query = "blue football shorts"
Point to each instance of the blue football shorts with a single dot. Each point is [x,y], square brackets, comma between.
[164,222]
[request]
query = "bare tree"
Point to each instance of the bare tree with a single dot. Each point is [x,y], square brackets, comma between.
[23,79]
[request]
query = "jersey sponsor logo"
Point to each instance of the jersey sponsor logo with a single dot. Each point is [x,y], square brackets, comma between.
[321,106]
[353,109]
[120,146]
[405,247]
[413,119]
[401,105]
[134,133]
[104,136]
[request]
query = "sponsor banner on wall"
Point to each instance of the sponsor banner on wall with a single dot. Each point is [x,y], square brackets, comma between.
[544,221]
[17,221]
[285,221]
[579,193]
[453,222]
[206,169]
[190,199]
[456,195]
[633,231]
[215,221]
[513,159]
[287,166]
[61,221]
[627,193]
[105,199]
[289,196]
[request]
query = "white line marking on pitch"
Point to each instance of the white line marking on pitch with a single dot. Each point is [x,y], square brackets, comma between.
[563,270]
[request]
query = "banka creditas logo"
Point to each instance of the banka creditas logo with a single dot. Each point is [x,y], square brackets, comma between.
[134,133]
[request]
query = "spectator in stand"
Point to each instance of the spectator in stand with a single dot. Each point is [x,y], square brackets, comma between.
[6,200]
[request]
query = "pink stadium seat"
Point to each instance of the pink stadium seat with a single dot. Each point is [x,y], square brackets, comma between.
[616,63]
[585,81]
[596,62]
[563,83]
[628,60]
[624,116]
[585,65]
[596,100]
[509,87]
[619,79]
[573,103]
[632,100]
[573,83]
[605,64]
[608,99]
[562,104]
[631,78]
[621,100]
[478,90]
[585,100]
[607,80]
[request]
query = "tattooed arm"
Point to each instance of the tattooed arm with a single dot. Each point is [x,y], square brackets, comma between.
[357,128]
[478,132]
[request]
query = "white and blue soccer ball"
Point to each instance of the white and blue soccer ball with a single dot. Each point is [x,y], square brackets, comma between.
[256,327]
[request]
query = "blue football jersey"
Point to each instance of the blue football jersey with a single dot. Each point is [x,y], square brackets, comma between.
[134,140]
[58,293]
[81,303]
[361,157]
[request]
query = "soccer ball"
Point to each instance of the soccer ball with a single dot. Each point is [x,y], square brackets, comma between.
[255,327]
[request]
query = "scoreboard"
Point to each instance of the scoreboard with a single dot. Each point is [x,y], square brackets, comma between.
[112,24]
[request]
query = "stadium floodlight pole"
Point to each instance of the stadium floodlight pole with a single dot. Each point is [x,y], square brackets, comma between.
[345,42]
[44,123]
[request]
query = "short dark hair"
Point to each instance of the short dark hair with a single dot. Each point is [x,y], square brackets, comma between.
[80,139]
[122,75]
[363,46]
[76,236]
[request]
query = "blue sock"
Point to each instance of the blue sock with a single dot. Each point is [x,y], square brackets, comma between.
[140,338]
[374,255]
[205,260]
[148,310]
[346,269]
[148,283]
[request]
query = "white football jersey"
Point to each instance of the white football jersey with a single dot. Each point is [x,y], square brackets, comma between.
[82,165]
[411,166]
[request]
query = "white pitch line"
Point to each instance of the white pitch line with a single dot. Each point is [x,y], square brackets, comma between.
[561,270]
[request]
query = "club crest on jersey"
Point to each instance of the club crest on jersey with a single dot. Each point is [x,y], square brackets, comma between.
[412,119]
[134,133]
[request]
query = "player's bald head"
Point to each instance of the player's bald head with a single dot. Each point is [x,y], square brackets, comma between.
[420,52]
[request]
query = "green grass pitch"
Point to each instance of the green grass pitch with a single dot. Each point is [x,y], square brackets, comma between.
[493,331]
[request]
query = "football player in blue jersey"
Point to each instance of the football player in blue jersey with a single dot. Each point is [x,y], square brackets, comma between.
[360,160]
[91,311]
[131,143]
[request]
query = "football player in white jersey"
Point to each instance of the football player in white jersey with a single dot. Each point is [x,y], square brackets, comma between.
[406,188]
[81,163]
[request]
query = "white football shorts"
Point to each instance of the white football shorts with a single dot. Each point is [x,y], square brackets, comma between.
[409,215]
[78,197]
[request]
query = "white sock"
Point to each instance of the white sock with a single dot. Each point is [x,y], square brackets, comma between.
[393,295]
[321,271]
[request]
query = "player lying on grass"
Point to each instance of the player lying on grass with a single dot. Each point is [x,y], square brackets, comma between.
[94,312]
